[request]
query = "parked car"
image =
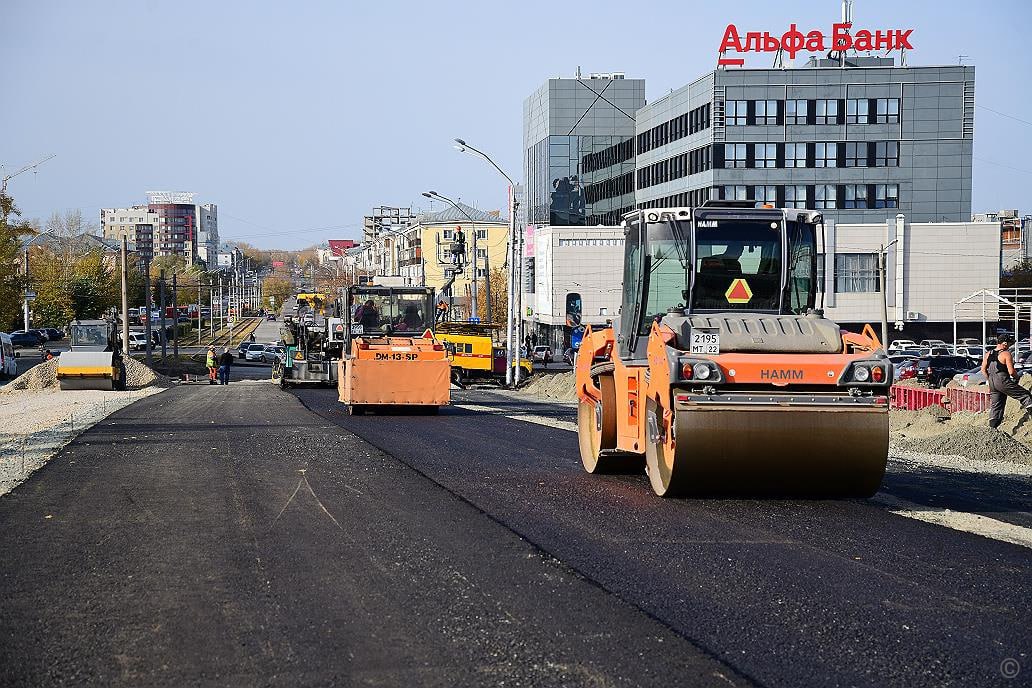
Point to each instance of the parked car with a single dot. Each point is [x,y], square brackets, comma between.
[243,347]
[969,341]
[901,344]
[905,370]
[936,371]
[970,377]
[542,354]
[183,319]
[932,342]
[54,334]
[137,341]
[26,338]
[273,352]
[270,316]
[8,362]
[255,352]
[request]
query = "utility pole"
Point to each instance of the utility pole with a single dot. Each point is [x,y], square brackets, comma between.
[884,297]
[125,295]
[199,284]
[147,298]
[161,302]
[487,283]
[175,317]
[25,302]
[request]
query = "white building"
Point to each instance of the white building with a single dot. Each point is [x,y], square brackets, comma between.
[208,232]
[930,266]
[145,229]
[567,269]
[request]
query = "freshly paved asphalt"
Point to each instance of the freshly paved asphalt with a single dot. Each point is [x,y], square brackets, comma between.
[785,592]
[228,536]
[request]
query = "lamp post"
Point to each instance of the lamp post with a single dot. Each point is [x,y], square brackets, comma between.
[514,326]
[473,310]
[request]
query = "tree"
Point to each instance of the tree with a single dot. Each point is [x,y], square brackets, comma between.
[277,287]
[12,281]
[1018,276]
[499,297]
[71,223]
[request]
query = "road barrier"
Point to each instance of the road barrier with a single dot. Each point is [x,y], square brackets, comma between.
[961,399]
[916,398]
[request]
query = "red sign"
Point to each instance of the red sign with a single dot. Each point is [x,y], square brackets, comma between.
[794,41]
[277,263]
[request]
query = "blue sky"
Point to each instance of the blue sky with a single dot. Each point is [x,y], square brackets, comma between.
[297,117]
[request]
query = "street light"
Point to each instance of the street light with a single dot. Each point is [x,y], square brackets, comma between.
[474,312]
[514,326]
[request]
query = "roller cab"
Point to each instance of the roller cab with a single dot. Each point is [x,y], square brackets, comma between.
[95,357]
[722,376]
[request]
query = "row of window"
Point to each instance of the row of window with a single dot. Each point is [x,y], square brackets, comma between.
[610,188]
[817,196]
[610,217]
[614,155]
[740,113]
[695,197]
[591,242]
[692,162]
[822,154]
[677,128]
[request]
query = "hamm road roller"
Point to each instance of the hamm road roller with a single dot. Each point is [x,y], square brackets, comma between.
[721,375]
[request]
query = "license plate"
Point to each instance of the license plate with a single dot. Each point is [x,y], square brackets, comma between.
[705,341]
[357,329]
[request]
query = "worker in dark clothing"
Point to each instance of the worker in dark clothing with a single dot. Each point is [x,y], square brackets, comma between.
[459,247]
[998,368]
[225,364]
[368,316]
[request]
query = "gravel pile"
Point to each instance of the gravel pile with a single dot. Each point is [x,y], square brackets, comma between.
[44,376]
[40,376]
[980,443]
[552,386]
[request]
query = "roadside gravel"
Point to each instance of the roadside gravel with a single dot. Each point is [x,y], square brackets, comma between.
[37,423]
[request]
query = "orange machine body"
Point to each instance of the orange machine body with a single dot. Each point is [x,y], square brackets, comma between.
[395,371]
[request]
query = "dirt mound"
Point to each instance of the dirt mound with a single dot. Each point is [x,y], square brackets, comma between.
[981,443]
[552,385]
[44,376]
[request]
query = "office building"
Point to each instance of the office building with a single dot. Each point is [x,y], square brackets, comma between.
[861,141]
[170,224]
[579,150]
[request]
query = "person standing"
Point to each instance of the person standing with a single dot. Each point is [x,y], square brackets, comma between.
[225,364]
[998,368]
[212,365]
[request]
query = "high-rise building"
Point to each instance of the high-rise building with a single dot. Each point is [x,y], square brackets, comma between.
[861,139]
[579,149]
[170,224]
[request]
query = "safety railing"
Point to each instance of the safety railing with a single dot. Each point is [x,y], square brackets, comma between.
[916,398]
[961,399]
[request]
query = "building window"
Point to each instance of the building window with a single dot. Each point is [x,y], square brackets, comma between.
[825,155]
[886,154]
[856,196]
[446,234]
[795,154]
[856,273]
[887,110]
[827,112]
[856,154]
[734,155]
[735,113]
[734,192]
[795,196]
[481,272]
[481,234]
[857,111]
[824,197]
[481,253]
[886,196]
[766,154]
[766,112]
[765,194]
[795,112]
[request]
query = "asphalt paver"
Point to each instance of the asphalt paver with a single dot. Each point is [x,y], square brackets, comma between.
[228,536]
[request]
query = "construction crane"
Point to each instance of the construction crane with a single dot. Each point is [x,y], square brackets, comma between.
[30,166]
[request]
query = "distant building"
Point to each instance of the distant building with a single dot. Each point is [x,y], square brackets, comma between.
[1014,236]
[332,253]
[170,224]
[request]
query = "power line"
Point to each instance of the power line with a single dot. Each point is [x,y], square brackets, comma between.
[998,164]
[1004,114]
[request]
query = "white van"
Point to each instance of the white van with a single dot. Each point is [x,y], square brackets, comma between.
[137,341]
[8,363]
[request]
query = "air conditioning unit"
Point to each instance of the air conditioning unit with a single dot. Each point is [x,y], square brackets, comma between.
[913,315]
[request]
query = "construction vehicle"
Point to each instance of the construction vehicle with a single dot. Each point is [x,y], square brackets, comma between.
[475,354]
[391,357]
[313,349]
[95,359]
[721,375]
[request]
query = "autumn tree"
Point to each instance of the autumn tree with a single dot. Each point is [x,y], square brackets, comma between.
[278,288]
[12,280]
[499,297]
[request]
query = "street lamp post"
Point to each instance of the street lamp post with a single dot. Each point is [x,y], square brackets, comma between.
[474,311]
[514,324]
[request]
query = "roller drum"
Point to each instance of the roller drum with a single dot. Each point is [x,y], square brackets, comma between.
[772,450]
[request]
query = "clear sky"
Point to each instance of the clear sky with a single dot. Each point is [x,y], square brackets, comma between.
[298,117]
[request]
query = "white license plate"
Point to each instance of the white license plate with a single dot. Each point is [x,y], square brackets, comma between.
[705,342]
[357,329]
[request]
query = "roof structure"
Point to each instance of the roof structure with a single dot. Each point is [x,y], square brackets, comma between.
[80,243]
[450,215]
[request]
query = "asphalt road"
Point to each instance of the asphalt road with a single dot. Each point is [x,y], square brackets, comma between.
[785,593]
[228,536]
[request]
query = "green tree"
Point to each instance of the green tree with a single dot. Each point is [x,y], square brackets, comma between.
[12,281]
[1018,276]
[277,287]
